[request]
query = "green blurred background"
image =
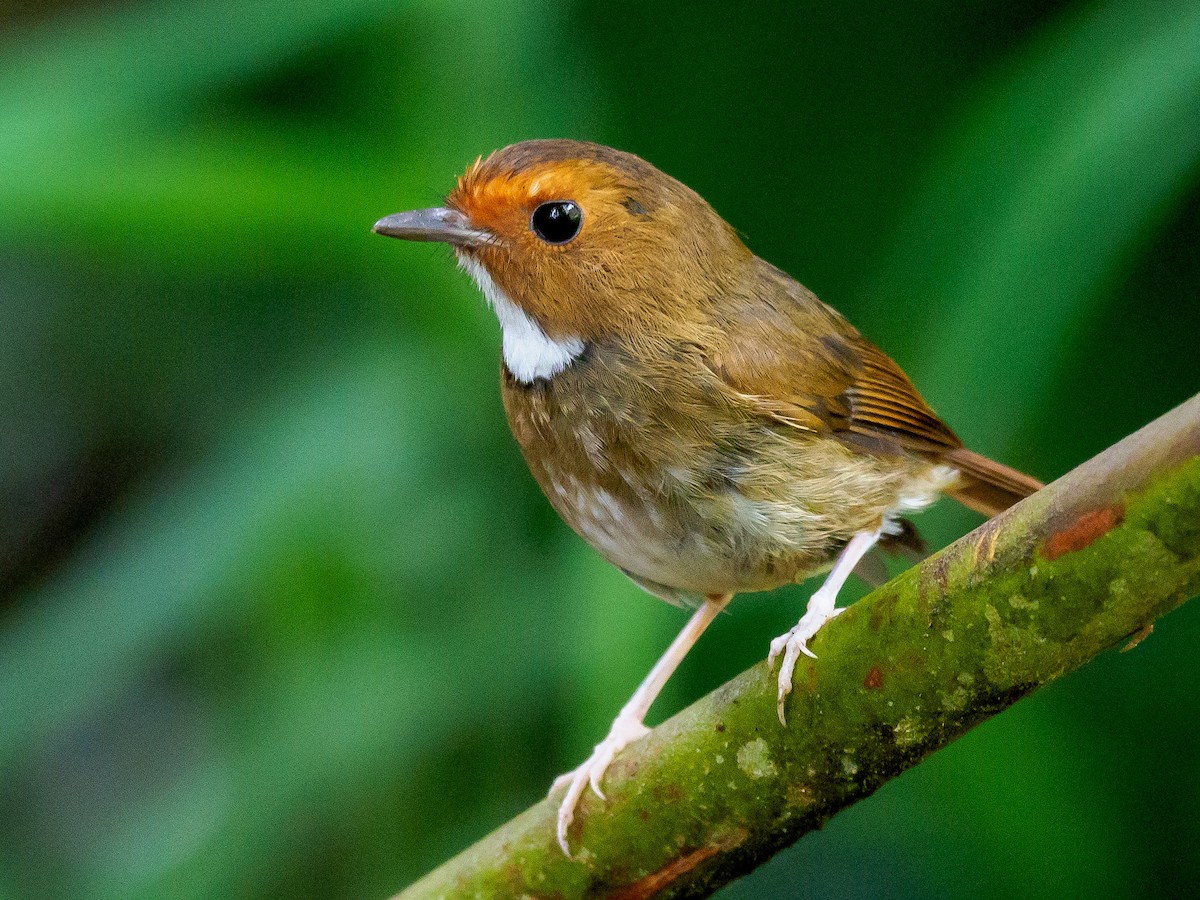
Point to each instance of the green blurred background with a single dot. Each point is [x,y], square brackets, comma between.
[282,613]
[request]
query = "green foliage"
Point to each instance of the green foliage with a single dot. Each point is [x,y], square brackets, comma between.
[283,613]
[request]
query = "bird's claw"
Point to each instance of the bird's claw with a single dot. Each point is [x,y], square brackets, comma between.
[624,732]
[791,644]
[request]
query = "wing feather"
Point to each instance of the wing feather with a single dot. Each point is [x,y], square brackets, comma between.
[800,363]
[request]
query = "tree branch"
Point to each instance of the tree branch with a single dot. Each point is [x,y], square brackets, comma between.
[1084,564]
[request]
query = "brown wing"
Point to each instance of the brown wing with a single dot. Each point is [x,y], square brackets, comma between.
[804,365]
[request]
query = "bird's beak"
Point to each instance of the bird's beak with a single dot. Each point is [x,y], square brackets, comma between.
[438,224]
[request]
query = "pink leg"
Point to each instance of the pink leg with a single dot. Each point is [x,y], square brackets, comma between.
[630,722]
[821,608]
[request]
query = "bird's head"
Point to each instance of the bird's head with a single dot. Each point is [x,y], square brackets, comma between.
[574,242]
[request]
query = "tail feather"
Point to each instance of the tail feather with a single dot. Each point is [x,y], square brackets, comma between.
[987,486]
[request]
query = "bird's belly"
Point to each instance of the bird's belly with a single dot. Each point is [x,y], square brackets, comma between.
[684,550]
[650,546]
[656,557]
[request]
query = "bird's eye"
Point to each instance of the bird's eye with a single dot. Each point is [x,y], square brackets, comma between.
[557,221]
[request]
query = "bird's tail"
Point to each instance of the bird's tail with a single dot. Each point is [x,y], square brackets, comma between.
[987,486]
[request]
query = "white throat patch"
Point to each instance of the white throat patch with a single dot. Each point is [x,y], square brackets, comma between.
[528,352]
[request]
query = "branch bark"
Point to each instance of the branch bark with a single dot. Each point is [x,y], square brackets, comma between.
[1032,594]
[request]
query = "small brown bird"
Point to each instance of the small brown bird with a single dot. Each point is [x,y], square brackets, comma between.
[694,413]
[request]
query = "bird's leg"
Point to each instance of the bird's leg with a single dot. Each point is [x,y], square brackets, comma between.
[630,722]
[821,608]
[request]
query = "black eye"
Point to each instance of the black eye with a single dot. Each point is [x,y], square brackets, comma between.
[556,221]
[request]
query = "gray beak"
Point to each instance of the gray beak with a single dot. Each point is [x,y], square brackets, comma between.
[438,224]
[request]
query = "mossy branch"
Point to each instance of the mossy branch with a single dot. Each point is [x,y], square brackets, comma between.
[1090,561]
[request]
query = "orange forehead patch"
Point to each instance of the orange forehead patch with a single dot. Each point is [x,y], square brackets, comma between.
[485,192]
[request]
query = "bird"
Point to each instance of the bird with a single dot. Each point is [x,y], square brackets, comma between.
[694,413]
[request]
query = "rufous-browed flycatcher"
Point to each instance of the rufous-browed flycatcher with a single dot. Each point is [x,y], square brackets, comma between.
[697,415]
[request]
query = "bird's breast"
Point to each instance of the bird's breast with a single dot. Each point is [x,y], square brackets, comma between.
[685,495]
[609,476]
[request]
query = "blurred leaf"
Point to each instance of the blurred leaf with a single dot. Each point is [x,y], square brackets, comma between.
[77,73]
[1067,161]
[161,570]
[192,558]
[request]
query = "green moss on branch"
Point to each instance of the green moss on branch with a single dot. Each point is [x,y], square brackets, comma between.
[1032,594]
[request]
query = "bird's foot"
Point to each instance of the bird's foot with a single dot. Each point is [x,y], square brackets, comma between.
[625,730]
[794,642]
